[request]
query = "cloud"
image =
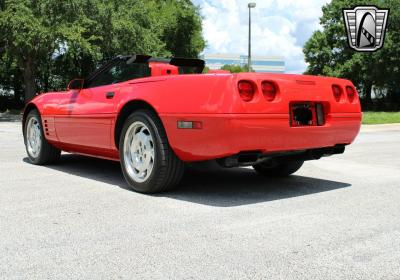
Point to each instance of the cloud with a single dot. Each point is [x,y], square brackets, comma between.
[279,27]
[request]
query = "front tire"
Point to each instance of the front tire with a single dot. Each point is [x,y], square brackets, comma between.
[148,163]
[40,152]
[281,169]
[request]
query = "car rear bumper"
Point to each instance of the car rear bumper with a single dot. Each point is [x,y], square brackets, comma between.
[224,135]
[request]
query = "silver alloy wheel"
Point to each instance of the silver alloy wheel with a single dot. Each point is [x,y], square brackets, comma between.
[138,152]
[33,137]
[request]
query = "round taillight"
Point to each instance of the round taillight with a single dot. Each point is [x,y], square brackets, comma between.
[246,90]
[269,91]
[351,93]
[337,92]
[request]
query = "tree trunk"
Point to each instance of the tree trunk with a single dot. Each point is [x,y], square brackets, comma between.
[29,80]
[367,93]
[393,98]
[18,91]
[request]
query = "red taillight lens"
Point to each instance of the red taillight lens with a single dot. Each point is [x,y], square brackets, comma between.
[351,93]
[246,90]
[337,92]
[269,90]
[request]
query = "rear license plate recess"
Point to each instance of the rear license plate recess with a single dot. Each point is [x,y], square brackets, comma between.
[306,114]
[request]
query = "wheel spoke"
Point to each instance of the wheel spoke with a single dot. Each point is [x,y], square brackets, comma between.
[34,137]
[139,152]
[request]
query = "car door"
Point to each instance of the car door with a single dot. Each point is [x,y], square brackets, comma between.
[86,117]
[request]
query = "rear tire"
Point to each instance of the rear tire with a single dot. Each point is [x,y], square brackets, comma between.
[148,163]
[281,169]
[40,152]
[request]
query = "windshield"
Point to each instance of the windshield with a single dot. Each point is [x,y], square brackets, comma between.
[121,72]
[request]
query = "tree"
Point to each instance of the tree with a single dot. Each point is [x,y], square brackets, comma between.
[34,30]
[327,51]
[181,28]
[233,68]
[49,42]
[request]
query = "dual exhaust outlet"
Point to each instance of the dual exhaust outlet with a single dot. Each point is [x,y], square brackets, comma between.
[253,157]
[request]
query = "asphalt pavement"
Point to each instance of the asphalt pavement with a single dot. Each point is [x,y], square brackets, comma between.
[337,218]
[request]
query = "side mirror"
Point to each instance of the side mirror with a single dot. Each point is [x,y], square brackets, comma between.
[76,84]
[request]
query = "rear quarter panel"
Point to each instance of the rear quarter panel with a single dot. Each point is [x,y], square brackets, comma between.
[179,94]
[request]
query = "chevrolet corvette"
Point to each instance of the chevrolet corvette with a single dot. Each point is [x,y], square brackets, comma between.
[155,115]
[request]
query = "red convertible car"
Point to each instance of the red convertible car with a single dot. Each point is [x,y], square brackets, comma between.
[154,115]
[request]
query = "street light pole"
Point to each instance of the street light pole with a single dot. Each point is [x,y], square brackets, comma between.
[250,5]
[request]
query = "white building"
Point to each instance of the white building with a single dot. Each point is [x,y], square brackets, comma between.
[271,64]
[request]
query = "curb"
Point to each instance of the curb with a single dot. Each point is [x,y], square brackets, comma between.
[380,127]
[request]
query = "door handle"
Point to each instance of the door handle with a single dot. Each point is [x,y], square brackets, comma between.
[110,95]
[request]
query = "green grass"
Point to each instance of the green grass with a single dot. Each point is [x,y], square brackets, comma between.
[380,117]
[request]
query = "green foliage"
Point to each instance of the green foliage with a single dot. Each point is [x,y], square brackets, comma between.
[327,51]
[45,43]
[180,28]
[206,69]
[233,68]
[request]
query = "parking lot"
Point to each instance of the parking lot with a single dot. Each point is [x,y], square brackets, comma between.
[337,218]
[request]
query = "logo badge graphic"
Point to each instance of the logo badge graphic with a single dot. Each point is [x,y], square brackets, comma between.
[366,26]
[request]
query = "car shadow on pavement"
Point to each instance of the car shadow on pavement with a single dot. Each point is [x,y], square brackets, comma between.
[222,187]
[211,185]
[101,170]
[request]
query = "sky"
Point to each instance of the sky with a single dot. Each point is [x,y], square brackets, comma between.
[279,27]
